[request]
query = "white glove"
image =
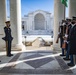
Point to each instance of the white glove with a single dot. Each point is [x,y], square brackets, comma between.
[66,35]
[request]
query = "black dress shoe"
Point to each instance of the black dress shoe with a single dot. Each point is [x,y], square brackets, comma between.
[66,59]
[62,55]
[11,54]
[70,64]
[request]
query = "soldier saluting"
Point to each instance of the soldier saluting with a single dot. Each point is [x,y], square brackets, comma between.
[8,38]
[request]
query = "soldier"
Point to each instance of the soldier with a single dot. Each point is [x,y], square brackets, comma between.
[61,35]
[67,36]
[8,38]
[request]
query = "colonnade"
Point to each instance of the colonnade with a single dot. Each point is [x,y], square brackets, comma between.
[15,19]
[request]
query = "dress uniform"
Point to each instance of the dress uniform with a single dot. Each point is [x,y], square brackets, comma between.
[8,38]
[61,35]
[67,36]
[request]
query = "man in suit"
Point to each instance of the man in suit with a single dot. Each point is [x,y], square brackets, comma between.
[8,38]
[72,41]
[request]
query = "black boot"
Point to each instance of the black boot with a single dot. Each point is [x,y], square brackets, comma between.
[66,58]
[70,64]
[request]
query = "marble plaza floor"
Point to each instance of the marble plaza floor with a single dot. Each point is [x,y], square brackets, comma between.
[40,62]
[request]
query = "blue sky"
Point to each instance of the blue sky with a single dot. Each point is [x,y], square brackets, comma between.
[32,5]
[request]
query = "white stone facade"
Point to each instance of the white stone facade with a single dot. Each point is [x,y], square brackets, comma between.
[38,22]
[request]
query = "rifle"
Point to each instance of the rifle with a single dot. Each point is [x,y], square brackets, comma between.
[57,39]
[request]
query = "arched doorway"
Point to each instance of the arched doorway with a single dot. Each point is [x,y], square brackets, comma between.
[39,22]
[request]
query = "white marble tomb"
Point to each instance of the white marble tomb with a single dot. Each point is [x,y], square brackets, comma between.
[37,22]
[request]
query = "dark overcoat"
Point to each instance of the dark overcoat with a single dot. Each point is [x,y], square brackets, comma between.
[72,39]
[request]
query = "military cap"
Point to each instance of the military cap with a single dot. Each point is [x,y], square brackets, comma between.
[7,22]
[63,20]
[74,18]
[68,19]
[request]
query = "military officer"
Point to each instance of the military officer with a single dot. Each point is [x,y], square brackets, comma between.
[8,38]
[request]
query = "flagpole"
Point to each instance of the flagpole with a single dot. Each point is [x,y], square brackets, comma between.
[64,12]
[64,2]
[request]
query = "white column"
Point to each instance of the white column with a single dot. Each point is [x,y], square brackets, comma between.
[72,8]
[58,16]
[2,20]
[15,18]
